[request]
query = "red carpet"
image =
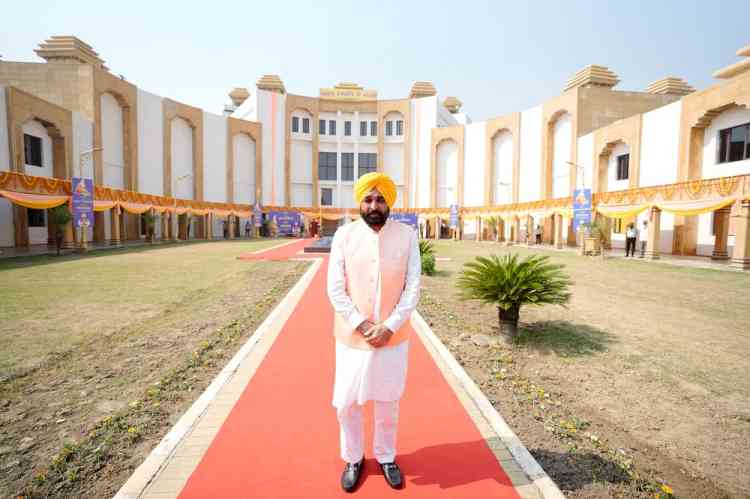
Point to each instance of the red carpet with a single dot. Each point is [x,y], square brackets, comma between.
[281,439]
[283,253]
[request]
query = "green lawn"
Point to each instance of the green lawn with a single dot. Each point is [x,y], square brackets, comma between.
[48,304]
[654,350]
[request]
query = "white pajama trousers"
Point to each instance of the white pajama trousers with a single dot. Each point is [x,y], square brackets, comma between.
[351,426]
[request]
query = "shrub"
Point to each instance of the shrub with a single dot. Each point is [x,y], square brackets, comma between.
[508,283]
[428,264]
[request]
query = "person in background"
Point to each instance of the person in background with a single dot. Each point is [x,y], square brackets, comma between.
[643,236]
[538,233]
[631,234]
[247,229]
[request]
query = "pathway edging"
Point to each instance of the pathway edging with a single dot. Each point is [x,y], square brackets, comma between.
[546,487]
[142,477]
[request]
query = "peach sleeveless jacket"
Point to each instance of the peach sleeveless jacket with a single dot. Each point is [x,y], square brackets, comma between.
[369,256]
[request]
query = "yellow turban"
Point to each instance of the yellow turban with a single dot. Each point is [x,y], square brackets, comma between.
[380,181]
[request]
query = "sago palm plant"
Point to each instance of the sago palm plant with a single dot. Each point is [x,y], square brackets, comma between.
[509,283]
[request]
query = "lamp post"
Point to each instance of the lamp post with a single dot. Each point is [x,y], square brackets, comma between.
[578,168]
[85,227]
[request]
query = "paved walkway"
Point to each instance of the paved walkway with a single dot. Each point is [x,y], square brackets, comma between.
[265,428]
[702,262]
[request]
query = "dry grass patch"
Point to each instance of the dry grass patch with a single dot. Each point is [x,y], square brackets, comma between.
[84,402]
[647,354]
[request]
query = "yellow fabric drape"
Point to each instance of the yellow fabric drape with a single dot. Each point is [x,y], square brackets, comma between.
[104,205]
[687,209]
[135,208]
[328,216]
[622,211]
[198,213]
[35,201]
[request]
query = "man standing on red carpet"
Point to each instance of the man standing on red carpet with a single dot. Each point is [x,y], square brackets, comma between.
[373,285]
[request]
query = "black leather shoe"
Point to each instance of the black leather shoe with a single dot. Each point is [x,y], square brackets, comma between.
[350,476]
[392,474]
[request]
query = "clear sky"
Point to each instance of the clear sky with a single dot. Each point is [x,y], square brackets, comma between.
[497,57]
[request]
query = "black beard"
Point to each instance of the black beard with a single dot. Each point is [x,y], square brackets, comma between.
[375,218]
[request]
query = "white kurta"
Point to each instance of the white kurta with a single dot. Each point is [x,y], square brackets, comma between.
[380,374]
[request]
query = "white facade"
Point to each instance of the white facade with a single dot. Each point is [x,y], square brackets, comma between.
[447,174]
[243,148]
[529,185]
[7,237]
[182,159]
[424,119]
[474,163]
[562,134]
[150,143]
[112,142]
[214,158]
[660,145]
[502,150]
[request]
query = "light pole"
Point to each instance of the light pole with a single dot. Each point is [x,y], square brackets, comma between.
[85,228]
[578,168]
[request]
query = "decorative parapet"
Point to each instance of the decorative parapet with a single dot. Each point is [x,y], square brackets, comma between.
[737,68]
[422,89]
[670,85]
[272,83]
[70,50]
[593,76]
[239,95]
[452,104]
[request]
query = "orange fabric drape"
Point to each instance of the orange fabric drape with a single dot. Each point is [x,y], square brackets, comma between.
[35,201]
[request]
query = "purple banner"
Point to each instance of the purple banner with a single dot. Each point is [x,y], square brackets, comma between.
[83,202]
[288,222]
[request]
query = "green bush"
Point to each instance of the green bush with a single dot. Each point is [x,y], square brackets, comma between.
[509,282]
[428,264]
[426,248]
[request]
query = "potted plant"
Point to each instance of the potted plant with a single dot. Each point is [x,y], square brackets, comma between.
[509,283]
[595,237]
[59,216]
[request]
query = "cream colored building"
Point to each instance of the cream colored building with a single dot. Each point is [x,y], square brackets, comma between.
[305,152]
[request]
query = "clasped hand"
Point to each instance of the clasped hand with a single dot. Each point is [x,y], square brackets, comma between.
[376,335]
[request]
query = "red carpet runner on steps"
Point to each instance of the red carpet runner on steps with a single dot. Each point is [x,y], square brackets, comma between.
[281,439]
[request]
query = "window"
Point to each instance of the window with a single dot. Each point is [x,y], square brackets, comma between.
[326,196]
[617,225]
[347,166]
[623,163]
[347,128]
[734,144]
[388,128]
[305,125]
[374,128]
[32,146]
[400,127]
[363,129]
[367,162]
[295,124]
[322,127]
[36,217]
[327,166]
[331,127]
